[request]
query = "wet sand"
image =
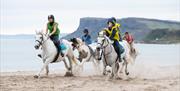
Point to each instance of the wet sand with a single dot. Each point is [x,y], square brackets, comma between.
[169,80]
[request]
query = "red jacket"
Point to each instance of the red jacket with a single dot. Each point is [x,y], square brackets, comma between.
[129,38]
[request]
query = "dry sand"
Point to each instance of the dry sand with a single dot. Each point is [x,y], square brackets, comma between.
[161,79]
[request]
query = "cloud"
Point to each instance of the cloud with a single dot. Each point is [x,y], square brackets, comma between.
[32,14]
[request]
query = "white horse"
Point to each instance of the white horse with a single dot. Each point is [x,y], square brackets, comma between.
[107,53]
[86,54]
[49,53]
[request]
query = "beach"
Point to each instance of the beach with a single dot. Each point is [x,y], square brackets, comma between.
[157,68]
[158,80]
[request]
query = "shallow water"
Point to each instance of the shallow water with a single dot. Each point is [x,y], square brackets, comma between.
[20,55]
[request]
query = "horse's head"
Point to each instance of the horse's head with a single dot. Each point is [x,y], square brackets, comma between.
[100,44]
[76,43]
[100,39]
[39,38]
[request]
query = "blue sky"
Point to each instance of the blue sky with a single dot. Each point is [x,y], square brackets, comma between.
[26,16]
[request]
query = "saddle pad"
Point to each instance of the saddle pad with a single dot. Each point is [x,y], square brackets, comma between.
[63,46]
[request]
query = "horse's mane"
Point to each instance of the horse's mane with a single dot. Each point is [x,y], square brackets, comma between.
[107,38]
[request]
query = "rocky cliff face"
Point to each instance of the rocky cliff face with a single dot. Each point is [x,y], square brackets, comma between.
[140,28]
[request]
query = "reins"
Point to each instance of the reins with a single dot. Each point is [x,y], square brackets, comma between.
[103,51]
[43,41]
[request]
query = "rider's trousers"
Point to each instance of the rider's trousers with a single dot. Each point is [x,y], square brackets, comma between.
[56,41]
[118,48]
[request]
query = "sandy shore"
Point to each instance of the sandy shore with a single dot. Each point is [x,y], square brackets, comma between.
[168,80]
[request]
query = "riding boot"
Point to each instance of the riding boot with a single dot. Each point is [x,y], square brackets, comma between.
[120,60]
[60,51]
[59,48]
[118,49]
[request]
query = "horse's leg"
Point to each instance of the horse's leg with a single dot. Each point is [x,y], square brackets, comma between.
[126,71]
[44,66]
[96,65]
[113,74]
[65,63]
[47,70]
[116,68]
[82,64]
[119,69]
[69,72]
[122,68]
[104,67]
[104,70]
[70,64]
[83,61]
[74,60]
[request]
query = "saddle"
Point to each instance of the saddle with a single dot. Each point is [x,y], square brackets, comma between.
[62,47]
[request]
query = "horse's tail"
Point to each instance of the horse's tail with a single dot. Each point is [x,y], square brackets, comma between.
[128,55]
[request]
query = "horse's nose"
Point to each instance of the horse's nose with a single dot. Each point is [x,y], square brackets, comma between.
[99,58]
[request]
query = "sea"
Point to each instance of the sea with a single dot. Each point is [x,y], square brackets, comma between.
[17,53]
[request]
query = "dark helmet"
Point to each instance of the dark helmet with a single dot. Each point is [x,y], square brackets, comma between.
[126,32]
[51,17]
[112,20]
[86,30]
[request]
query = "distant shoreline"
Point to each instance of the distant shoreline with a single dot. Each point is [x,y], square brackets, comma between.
[31,36]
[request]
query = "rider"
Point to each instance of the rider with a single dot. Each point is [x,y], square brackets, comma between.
[129,38]
[54,32]
[86,37]
[113,33]
[117,25]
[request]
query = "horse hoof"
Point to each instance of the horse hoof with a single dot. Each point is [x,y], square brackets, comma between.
[104,73]
[127,73]
[69,68]
[119,78]
[68,74]
[36,76]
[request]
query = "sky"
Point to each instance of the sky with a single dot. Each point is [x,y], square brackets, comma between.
[26,16]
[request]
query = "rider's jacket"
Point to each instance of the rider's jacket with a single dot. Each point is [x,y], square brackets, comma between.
[51,28]
[113,32]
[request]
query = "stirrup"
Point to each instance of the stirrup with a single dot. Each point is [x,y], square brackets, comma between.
[120,60]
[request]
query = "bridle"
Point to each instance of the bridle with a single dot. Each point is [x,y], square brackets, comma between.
[103,49]
[75,46]
[42,41]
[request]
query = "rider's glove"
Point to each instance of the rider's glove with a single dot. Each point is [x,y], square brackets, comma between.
[111,41]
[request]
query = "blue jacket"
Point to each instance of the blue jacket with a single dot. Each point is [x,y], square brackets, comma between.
[87,39]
